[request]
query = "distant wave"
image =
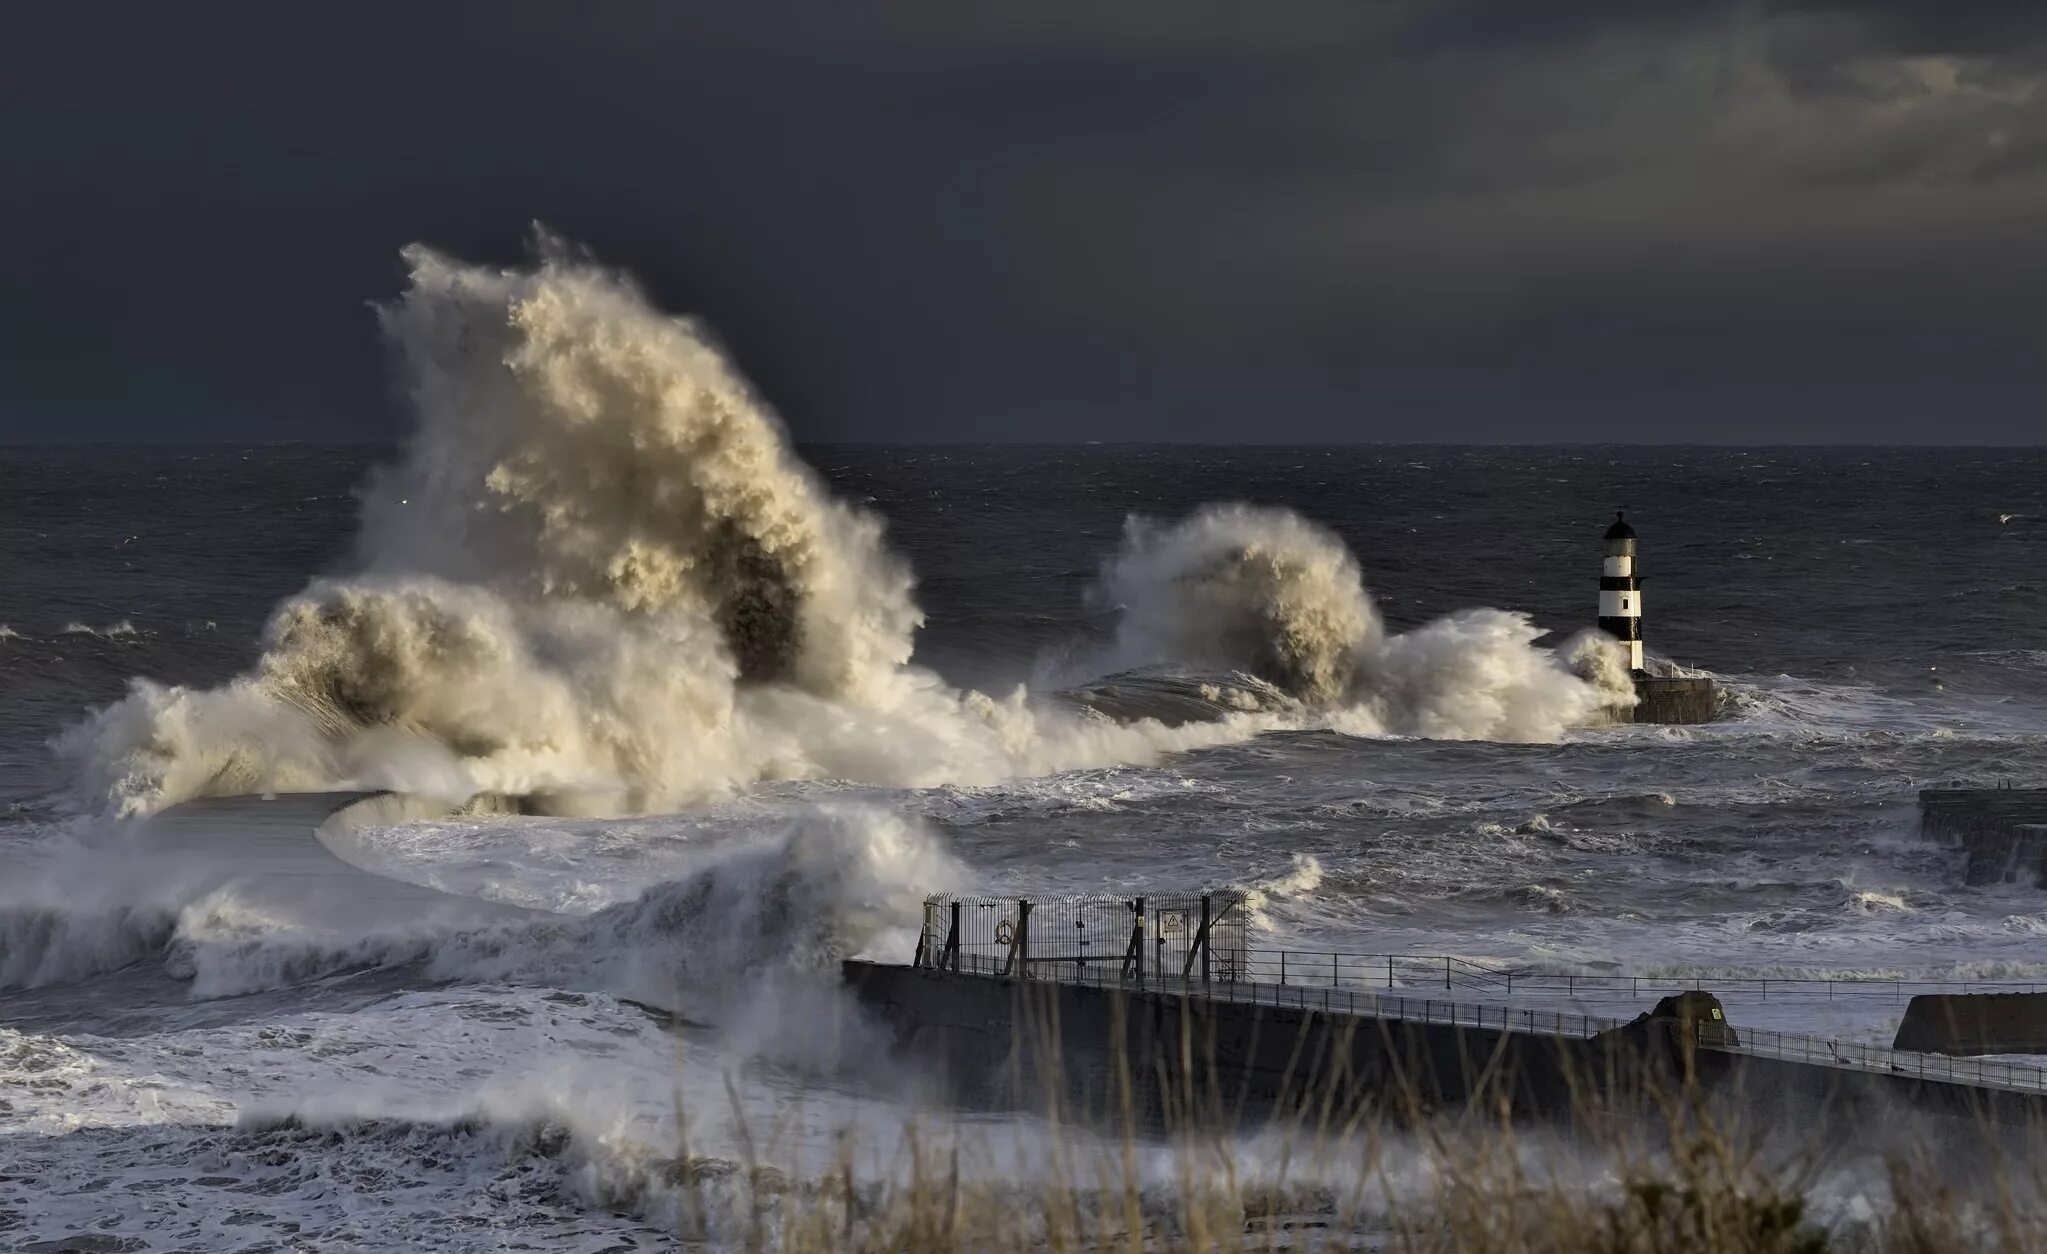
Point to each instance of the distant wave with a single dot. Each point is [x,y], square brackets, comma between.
[112,631]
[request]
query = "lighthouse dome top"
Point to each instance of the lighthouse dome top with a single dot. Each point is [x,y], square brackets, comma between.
[1620,529]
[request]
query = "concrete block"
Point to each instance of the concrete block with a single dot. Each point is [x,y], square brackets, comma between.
[1672,701]
[2004,830]
[1975,1023]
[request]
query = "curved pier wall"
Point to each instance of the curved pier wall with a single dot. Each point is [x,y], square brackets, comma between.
[1159,1059]
[1009,1043]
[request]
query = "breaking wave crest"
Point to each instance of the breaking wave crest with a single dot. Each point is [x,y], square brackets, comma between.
[825,884]
[598,579]
[1266,592]
[1241,588]
[832,882]
[1300,881]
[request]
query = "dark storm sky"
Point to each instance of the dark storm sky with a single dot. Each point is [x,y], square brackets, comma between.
[1497,220]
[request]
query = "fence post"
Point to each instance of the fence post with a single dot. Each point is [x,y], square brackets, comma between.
[1023,938]
[1282,968]
[1446,972]
[952,940]
[1204,940]
[1389,970]
[1141,937]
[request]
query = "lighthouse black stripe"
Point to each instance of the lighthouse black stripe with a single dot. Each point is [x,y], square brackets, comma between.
[1620,583]
[1621,628]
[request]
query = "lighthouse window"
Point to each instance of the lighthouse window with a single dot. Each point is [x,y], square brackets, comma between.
[1624,603]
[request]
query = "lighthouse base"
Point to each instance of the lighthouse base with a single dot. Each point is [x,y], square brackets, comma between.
[1672,701]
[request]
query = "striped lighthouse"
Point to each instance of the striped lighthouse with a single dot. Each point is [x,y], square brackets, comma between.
[1620,590]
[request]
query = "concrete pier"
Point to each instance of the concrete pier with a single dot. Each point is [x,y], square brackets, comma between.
[2004,830]
[1670,700]
[1245,1055]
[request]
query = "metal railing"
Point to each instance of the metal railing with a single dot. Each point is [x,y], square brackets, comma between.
[1336,998]
[1055,944]
[1316,968]
[1989,1072]
[1162,936]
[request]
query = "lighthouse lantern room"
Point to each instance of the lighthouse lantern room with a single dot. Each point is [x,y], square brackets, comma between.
[1620,590]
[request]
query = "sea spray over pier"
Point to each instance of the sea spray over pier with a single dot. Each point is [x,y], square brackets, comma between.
[599,581]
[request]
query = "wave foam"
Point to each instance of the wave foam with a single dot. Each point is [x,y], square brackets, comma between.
[112,631]
[598,579]
[1301,881]
[832,882]
[787,903]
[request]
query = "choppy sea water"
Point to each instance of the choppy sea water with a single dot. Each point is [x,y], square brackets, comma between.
[1875,616]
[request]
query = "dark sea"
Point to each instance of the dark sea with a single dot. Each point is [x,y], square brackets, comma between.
[191,1065]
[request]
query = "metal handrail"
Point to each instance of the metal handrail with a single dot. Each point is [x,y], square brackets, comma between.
[1762,1043]
[1342,968]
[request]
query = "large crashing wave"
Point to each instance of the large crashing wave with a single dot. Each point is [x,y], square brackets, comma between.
[1258,590]
[598,579]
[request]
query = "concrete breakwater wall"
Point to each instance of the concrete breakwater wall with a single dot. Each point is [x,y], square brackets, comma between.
[1670,700]
[1975,1024]
[2004,830]
[1167,1058]
[1005,1043]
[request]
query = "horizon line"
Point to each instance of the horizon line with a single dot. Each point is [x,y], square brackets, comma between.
[395,441]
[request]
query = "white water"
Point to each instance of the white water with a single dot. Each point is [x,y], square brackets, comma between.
[598,579]
[783,900]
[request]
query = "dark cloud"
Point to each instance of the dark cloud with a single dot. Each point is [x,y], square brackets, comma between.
[1992,28]
[1468,219]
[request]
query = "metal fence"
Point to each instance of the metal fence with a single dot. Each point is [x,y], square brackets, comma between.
[1316,968]
[1986,1071]
[1183,936]
[1203,936]
[1340,999]
[1196,943]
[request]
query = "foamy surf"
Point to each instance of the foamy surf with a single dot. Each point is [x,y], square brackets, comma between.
[242,896]
[122,630]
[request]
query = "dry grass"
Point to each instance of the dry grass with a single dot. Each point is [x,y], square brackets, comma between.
[1679,1173]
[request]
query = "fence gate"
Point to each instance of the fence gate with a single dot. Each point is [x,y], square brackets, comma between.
[1137,940]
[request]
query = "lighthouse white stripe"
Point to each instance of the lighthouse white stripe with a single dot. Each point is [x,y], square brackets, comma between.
[1617,604]
[1622,565]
